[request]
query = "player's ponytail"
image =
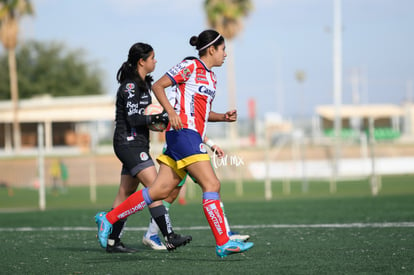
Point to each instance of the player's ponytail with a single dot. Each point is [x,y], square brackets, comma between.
[206,39]
[128,69]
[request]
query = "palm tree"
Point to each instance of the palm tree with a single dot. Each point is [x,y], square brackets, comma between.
[10,13]
[225,16]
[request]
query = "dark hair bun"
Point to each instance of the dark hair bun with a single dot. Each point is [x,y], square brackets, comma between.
[193,40]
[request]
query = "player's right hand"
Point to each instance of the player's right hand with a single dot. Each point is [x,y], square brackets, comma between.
[175,121]
[230,116]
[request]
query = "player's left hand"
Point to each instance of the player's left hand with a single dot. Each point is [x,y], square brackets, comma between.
[230,116]
[218,151]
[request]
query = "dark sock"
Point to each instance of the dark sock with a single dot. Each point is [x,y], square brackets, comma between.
[161,217]
[117,229]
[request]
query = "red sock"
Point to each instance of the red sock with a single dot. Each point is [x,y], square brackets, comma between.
[133,204]
[215,218]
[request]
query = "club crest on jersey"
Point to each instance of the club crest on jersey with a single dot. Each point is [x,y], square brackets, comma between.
[185,74]
[130,89]
[203,148]
[143,156]
[130,86]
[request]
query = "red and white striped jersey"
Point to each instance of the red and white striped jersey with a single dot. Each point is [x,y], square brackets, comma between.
[193,92]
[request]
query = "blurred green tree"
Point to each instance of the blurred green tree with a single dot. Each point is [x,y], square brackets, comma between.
[50,68]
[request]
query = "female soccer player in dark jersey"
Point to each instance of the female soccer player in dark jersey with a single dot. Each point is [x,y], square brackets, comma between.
[131,143]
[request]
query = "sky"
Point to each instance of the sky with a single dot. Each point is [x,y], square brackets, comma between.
[279,39]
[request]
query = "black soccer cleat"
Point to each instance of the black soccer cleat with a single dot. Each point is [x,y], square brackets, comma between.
[118,247]
[175,240]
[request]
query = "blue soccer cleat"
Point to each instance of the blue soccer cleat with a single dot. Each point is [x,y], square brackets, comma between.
[232,247]
[153,242]
[104,228]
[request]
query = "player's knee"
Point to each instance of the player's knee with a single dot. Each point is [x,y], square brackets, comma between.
[162,195]
[159,193]
[216,185]
[212,186]
[173,195]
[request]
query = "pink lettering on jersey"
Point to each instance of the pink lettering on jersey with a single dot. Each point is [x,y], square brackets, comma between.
[201,77]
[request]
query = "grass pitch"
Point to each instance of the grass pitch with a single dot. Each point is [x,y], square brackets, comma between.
[315,232]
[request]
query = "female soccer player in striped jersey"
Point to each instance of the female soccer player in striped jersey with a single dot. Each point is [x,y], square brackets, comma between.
[195,88]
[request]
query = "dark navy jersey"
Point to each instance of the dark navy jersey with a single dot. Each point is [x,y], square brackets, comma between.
[130,121]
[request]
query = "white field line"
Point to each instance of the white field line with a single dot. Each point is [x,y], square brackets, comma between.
[258,226]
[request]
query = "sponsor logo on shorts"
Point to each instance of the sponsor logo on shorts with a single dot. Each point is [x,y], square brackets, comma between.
[203,148]
[143,156]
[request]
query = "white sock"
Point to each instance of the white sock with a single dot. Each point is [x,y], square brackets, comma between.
[152,229]
[225,218]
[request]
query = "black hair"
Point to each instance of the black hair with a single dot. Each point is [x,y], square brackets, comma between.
[204,39]
[128,70]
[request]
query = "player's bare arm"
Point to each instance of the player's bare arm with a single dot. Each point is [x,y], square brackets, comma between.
[159,91]
[229,116]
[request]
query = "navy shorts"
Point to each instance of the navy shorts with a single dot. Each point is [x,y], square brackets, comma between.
[183,148]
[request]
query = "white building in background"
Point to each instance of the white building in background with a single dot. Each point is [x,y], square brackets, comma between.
[389,121]
[82,121]
[68,121]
